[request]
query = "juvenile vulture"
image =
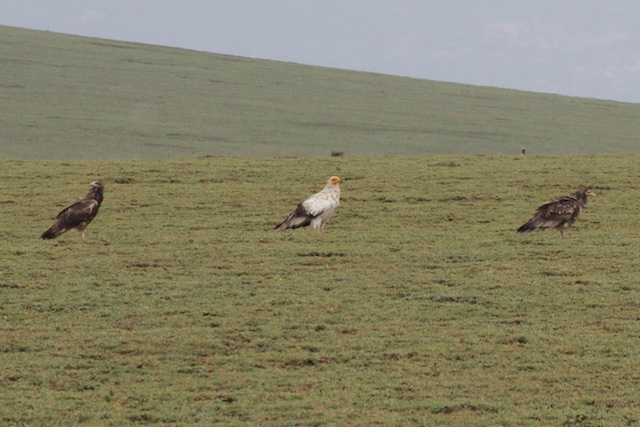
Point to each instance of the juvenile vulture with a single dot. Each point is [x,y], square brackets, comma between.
[316,210]
[79,214]
[558,213]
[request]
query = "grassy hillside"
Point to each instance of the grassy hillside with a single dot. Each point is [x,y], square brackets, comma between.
[68,97]
[418,306]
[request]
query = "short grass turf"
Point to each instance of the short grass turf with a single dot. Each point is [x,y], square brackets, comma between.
[419,305]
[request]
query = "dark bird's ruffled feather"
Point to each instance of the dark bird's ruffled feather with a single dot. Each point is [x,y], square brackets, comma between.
[559,213]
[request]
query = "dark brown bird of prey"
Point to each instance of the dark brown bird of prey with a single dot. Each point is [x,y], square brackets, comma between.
[315,210]
[558,213]
[79,214]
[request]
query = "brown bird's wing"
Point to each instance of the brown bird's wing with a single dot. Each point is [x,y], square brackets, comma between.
[562,209]
[553,214]
[80,211]
[78,215]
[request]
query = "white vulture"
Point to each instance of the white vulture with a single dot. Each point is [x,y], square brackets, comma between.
[316,210]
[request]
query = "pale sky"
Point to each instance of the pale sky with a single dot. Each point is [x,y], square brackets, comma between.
[586,48]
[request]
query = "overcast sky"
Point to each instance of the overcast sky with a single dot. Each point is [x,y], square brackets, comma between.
[588,48]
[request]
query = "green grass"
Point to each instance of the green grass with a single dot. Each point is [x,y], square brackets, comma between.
[67,97]
[419,305]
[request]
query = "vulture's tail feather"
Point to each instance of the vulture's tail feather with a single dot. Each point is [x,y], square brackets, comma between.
[49,234]
[53,232]
[529,226]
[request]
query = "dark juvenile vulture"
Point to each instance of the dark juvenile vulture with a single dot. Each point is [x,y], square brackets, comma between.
[558,213]
[79,214]
[316,210]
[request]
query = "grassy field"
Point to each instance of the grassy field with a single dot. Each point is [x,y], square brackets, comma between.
[67,97]
[419,305]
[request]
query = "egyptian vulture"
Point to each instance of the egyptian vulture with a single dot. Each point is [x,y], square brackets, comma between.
[558,213]
[79,214]
[316,210]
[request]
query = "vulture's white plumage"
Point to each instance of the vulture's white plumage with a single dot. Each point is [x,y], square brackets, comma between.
[316,210]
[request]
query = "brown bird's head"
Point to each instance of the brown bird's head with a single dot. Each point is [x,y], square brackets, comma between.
[586,191]
[96,191]
[583,193]
[97,184]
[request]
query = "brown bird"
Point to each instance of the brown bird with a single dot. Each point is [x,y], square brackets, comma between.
[316,210]
[558,213]
[79,214]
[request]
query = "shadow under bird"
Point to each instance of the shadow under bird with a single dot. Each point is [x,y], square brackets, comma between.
[559,213]
[316,210]
[79,214]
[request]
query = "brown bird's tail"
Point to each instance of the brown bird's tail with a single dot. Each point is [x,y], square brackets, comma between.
[53,232]
[530,226]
